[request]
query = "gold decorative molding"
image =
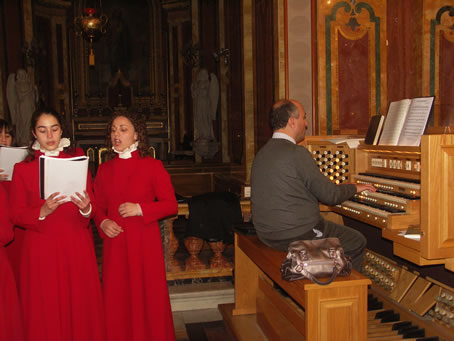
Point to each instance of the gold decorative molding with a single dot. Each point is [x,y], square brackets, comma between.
[101,151]
[103,125]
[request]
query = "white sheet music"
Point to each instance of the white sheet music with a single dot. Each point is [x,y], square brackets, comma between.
[66,176]
[394,122]
[416,121]
[406,121]
[9,156]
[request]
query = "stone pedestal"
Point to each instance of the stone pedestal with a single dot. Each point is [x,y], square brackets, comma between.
[193,262]
[218,261]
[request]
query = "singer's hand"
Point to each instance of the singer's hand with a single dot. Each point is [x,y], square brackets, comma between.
[111,228]
[82,201]
[3,175]
[51,204]
[128,209]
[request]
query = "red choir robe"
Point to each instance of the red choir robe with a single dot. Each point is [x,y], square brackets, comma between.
[59,289]
[13,249]
[10,317]
[136,298]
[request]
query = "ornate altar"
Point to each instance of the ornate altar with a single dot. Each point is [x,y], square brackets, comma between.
[128,74]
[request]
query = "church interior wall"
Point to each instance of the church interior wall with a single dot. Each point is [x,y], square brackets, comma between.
[177,27]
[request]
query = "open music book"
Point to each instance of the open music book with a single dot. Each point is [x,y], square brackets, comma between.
[406,121]
[66,176]
[9,156]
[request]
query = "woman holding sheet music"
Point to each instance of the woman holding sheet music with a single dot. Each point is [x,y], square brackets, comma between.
[13,248]
[6,139]
[59,285]
[10,317]
[133,191]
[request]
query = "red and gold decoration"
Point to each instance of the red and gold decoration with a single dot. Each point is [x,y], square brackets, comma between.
[91,25]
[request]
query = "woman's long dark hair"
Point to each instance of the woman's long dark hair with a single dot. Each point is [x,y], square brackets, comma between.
[34,121]
[7,128]
[140,127]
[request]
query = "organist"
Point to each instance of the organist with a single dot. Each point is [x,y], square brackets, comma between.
[287,186]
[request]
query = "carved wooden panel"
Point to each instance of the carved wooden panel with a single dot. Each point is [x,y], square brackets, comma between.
[50,61]
[351,67]
[235,113]
[438,73]
[437,196]
[264,69]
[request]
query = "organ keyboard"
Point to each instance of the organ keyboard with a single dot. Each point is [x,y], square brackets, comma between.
[391,186]
[381,210]
[394,206]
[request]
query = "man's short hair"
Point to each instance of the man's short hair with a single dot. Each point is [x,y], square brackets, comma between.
[281,112]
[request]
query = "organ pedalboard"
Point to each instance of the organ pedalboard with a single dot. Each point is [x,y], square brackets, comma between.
[407,297]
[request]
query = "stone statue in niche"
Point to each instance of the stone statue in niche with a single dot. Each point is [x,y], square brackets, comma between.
[119,92]
[205,94]
[22,96]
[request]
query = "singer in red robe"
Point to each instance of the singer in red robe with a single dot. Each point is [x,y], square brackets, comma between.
[133,192]
[59,287]
[10,318]
[13,248]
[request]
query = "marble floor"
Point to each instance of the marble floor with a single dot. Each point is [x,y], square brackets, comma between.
[183,318]
[194,309]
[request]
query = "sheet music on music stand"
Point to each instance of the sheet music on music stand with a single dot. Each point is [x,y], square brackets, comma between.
[406,121]
[66,176]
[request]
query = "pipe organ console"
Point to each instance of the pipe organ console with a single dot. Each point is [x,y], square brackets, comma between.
[413,190]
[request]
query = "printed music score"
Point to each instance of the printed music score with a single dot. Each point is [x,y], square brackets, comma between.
[406,121]
[66,176]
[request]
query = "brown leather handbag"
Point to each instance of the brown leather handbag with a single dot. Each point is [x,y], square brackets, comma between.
[316,258]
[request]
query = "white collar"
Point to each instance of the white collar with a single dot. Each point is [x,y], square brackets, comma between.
[127,153]
[278,135]
[64,142]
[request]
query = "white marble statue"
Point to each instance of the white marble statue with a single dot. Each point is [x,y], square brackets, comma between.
[205,94]
[22,98]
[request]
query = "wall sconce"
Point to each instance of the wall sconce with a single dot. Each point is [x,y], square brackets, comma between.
[191,55]
[223,52]
[91,26]
[32,53]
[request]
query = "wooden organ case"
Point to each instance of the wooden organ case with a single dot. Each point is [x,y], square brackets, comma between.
[414,190]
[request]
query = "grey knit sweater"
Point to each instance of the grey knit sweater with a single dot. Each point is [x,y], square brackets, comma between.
[287,187]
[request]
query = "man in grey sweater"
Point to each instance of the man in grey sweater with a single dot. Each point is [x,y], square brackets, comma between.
[287,187]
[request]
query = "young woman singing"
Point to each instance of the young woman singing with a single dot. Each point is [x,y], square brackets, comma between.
[133,191]
[59,286]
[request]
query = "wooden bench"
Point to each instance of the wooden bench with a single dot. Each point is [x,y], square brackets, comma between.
[309,311]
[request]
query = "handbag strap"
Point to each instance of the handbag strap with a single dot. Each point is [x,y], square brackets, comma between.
[315,280]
